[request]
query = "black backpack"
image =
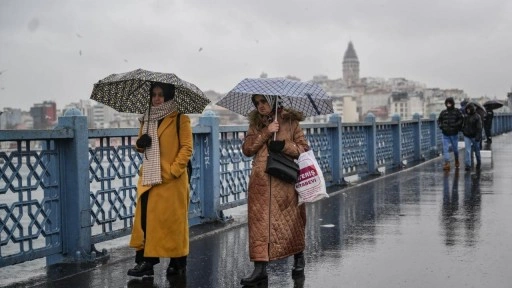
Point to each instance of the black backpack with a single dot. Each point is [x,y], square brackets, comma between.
[189,164]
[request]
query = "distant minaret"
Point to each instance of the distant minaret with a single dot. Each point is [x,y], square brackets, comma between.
[350,66]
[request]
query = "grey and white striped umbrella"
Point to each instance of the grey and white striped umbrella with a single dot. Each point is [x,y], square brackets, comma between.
[129,92]
[309,98]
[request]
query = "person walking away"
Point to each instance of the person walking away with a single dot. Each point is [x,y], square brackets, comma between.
[276,222]
[450,122]
[488,125]
[472,131]
[463,104]
[160,227]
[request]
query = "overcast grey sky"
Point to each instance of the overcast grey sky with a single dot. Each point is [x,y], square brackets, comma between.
[57,50]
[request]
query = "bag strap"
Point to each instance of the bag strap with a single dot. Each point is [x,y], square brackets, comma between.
[178,128]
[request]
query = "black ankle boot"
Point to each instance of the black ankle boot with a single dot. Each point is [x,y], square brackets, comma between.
[298,264]
[142,269]
[259,274]
[177,266]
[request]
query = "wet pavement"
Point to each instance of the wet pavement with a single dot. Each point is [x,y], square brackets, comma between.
[420,227]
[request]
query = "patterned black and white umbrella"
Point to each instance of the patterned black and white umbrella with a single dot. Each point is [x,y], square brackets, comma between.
[309,98]
[129,92]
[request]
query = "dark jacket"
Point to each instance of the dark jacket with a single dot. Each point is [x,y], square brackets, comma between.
[450,121]
[488,116]
[472,126]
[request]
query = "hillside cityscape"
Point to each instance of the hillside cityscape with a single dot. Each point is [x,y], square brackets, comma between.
[353,98]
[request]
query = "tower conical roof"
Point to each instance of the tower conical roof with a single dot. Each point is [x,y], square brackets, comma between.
[350,53]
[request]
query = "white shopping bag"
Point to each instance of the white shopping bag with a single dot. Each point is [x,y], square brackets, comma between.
[311,183]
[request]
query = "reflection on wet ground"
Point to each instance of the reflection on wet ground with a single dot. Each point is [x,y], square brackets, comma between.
[416,228]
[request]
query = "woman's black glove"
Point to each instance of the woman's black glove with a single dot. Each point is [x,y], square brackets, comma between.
[276,146]
[144,141]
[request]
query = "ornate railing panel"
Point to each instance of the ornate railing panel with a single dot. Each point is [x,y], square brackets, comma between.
[113,174]
[355,145]
[407,140]
[30,208]
[320,141]
[384,143]
[235,167]
[425,138]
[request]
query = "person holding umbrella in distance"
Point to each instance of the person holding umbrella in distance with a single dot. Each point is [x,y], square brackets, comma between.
[487,121]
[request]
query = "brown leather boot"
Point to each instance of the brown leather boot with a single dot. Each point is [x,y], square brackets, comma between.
[446,166]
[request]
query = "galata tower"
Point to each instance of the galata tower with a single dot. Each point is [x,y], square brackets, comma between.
[350,66]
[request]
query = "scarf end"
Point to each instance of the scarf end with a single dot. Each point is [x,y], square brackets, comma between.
[151,183]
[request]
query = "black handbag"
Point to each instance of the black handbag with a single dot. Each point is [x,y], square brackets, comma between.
[282,167]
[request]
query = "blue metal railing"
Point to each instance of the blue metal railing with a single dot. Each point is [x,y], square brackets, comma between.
[64,190]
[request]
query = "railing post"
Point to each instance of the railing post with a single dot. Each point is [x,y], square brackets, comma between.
[417,137]
[74,191]
[397,140]
[501,128]
[337,150]
[372,144]
[210,169]
[433,135]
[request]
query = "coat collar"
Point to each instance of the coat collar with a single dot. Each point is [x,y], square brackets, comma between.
[166,122]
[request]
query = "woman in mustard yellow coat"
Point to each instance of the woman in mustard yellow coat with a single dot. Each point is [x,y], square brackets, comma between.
[160,228]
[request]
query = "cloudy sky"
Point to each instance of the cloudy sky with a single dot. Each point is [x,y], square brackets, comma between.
[57,50]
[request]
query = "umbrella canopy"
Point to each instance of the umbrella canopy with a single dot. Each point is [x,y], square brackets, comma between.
[492,105]
[129,92]
[309,98]
[479,109]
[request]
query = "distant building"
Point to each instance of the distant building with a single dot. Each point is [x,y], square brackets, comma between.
[27,120]
[85,107]
[350,109]
[10,118]
[433,99]
[103,116]
[350,66]
[399,104]
[330,86]
[44,115]
[373,103]
[381,113]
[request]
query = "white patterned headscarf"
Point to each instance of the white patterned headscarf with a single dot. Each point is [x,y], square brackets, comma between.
[271,99]
[152,174]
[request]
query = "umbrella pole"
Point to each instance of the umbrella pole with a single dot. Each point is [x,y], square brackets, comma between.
[149,114]
[147,125]
[270,195]
[275,117]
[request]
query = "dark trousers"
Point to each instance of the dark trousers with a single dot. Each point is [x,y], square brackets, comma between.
[177,262]
[139,254]
[487,128]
